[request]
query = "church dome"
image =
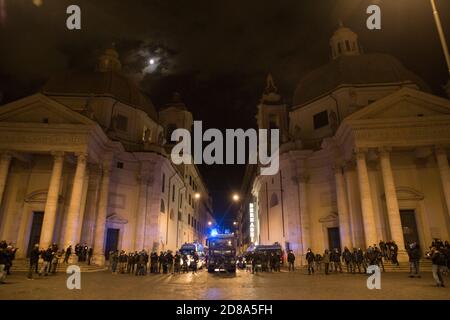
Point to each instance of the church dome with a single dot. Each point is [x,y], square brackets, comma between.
[350,67]
[106,81]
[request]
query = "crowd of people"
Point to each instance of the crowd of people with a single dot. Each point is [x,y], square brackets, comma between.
[261,261]
[355,260]
[141,263]
[439,254]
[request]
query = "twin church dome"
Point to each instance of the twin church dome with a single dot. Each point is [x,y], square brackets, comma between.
[350,66]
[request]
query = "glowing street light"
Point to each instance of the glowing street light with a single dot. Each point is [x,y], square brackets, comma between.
[234,223]
[236,197]
[197,196]
[152,61]
[209,223]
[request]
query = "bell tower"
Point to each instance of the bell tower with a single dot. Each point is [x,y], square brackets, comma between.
[272,112]
[175,115]
[344,42]
[109,60]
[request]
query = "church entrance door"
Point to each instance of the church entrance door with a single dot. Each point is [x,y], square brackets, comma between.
[112,241]
[35,233]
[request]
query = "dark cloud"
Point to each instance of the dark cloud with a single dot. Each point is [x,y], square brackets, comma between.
[216,53]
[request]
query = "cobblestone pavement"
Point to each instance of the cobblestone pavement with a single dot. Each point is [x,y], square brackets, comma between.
[284,285]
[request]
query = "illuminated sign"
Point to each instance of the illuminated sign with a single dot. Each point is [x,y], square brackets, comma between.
[252,222]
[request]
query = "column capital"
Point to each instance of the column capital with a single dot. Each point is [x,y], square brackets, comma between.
[57,154]
[440,150]
[6,155]
[360,152]
[81,156]
[384,151]
[338,167]
[95,168]
[349,164]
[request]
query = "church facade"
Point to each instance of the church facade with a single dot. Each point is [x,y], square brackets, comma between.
[87,160]
[363,157]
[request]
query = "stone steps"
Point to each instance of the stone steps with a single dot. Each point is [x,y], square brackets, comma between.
[22,265]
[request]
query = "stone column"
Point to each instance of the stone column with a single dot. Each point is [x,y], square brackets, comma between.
[390,193]
[51,205]
[100,222]
[442,161]
[343,211]
[370,231]
[5,161]
[304,214]
[141,213]
[73,216]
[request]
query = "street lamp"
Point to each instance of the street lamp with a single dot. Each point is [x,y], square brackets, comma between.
[234,223]
[209,223]
[236,197]
[441,35]
[197,195]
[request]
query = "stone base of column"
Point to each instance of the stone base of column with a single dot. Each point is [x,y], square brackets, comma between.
[99,260]
[73,259]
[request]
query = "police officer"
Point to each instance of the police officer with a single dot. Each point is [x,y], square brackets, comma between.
[177,262]
[34,261]
[291,260]
[348,259]
[310,259]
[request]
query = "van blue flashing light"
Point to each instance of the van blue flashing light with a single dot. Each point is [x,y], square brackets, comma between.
[214,232]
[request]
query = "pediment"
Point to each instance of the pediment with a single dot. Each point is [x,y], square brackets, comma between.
[404,103]
[39,196]
[407,193]
[332,217]
[39,108]
[116,218]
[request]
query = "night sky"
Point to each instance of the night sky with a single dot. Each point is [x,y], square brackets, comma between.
[216,54]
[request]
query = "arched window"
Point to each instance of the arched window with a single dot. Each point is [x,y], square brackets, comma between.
[273,200]
[162,207]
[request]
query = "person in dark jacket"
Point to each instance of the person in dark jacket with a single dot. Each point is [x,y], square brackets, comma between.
[34,261]
[414,255]
[291,260]
[194,262]
[3,262]
[154,262]
[160,261]
[439,263]
[393,249]
[47,257]
[348,259]
[318,262]
[335,257]
[90,253]
[310,259]
[169,258]
[67,254]
[177,264]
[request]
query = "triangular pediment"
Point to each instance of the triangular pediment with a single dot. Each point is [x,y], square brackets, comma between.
[404,103]
[39,108]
